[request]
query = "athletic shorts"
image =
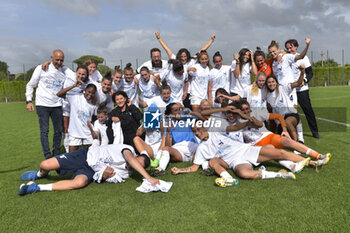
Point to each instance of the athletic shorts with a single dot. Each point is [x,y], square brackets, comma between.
[249,156]
[296,115]
[195,100]
[186,149]
[273,139]
[75,162]
[73,141]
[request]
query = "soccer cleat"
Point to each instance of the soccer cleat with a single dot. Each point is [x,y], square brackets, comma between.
[157,171]
[154,163]
[287,175]
[225,182]
[208,172]
[299,166]
[29,175]
[324,161]
[28,188]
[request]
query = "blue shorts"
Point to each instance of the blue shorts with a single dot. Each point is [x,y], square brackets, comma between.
[75,162]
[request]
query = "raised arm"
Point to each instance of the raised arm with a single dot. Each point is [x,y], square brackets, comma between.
[164,45]
[210,42]
[237,70]
[62,93]
[303,53]
[254,69]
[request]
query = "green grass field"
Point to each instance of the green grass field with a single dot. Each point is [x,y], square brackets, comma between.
[315,202]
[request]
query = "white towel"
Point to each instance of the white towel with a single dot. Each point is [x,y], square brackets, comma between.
[118,133]
[147,187]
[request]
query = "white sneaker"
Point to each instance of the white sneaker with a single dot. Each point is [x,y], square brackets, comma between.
[225,182]
[299,166]
[324,161]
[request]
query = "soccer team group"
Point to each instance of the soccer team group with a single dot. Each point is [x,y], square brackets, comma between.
[214,117]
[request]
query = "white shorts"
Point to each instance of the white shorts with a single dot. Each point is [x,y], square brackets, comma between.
[186,150]
[195,100]
[249,155]
[155,147]
[73,141]
[293,97]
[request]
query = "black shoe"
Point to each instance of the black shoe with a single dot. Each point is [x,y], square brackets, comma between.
[316,135]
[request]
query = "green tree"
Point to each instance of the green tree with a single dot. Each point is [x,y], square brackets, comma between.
[330,62]
[3,76]
[26,76]
[82,59]
[103,69]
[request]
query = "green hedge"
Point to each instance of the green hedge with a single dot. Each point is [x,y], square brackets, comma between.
[18,88]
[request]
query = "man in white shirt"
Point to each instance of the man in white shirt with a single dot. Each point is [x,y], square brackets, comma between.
[156,64]
[110,163]
[48,104]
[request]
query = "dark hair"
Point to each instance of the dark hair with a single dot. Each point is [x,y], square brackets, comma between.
[146,160]
[241,53]
[217,54]
[183,50]
[154,50]
[200,54]
[273,43]
[168,108]
[123,93]
[242,102]
[267,88]
[235,104]
[91,85]
[89,62]
[87,71]
[222,91]
[177,65]
[144,68]
[128,67]
[258,53]
[164,87]
[102,108]
[294,42]
[107,76]
[117,69]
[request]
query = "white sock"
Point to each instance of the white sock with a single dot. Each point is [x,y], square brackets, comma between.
[226,175]
[39,174]
[66,142]
[205,165]
[300,132]
[287,164]
[45,187]
[269,175]
[159,154]
[164,160]
[145,152]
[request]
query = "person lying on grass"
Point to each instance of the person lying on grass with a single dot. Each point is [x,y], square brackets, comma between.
[110,163]
[240,157]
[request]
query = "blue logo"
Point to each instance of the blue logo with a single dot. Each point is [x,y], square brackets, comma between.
[151,120]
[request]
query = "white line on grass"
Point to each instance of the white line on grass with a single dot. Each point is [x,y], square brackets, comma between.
[329,98]
[331,121]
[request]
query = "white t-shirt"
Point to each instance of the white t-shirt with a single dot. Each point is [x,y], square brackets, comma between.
[99,157]
[103,97]
[156,70]
[199,81]
[238,84]
[253,135]
[281,102]
[96,76]
[131,89]
[283,70]
[296,72]
[148,89]
[81,111]
[220,78]
[255,101]
[101,128]
[47,84]
[160,103]
[176,83]
[117,87]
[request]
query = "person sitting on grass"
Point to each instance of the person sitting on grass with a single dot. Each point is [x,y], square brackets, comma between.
[110,163]
[239,156]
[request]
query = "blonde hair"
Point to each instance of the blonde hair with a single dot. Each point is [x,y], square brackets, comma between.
[255,87]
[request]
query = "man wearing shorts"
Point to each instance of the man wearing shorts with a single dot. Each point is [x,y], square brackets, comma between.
[110,163]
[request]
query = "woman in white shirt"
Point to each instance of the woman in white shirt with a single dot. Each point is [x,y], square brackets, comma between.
[94,74]
[242,66]
[219,77]
[278,98]
[148,86]
[129,85]
[117,77]
[199,80]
